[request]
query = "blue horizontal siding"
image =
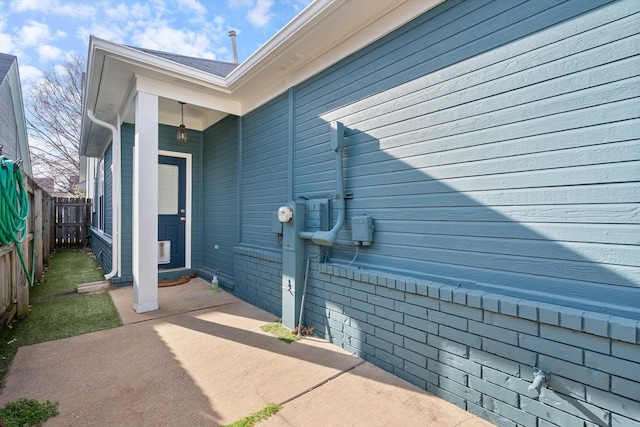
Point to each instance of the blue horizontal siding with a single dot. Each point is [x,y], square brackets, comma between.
[101,246]
[108,190]
[127,137]
[264,180]
[492,113]
[220,198]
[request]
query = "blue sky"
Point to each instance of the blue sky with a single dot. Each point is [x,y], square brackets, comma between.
[42,33]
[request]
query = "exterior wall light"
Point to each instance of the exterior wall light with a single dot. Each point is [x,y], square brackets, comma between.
[181,135]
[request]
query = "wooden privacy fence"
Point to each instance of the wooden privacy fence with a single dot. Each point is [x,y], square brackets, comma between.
[73,218]
[36,248]
[52,222]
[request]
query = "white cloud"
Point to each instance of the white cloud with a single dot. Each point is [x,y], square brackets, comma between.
[108,32]
[219,20]
[73,10]
[49,53]
[181,42]
[60,70]
[135,11]
[7,43]
[26,5]
[193,5]
[118,12]
[298,5]
[3,16]
[34,34]
[160,7]
[28,75]
[261,14]
[76,10]
[237,4]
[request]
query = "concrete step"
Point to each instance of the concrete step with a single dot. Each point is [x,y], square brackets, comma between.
[93,287]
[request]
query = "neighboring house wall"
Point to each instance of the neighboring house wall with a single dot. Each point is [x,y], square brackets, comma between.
[47,184]
[13,127]
[8,130]
[495,146]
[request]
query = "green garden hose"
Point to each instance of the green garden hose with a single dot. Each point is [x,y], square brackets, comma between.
[14,209]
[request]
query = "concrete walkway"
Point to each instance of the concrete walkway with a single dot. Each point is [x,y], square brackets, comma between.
[202,360]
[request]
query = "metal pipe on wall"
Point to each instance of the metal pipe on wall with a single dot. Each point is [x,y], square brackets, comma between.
[115,194]
[328,238]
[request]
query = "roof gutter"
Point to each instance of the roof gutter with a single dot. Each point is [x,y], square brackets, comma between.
[115,193]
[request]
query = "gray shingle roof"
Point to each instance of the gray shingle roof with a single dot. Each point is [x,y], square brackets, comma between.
[217,68]
[5,64]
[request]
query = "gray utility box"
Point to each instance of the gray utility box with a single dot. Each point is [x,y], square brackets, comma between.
[362,230]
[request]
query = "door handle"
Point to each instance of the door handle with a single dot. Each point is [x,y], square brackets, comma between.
[182,211]
[183,218]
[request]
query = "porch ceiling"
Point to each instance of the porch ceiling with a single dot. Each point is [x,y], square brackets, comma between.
[117,81]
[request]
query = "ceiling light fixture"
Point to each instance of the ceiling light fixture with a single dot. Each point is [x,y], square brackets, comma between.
[181,135]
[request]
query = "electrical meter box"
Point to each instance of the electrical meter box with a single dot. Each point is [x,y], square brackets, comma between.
[276,225]
[362,230]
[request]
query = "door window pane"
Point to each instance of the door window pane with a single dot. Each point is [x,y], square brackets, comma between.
[167,189]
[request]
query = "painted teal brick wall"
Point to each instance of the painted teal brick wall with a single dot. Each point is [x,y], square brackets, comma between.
[220,200]
[258,276]
[460,345]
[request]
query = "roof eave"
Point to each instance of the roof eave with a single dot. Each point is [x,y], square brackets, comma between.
[266,73]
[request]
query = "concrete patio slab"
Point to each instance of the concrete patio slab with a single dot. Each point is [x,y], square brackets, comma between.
[212,366]
[369,396]
[193,295]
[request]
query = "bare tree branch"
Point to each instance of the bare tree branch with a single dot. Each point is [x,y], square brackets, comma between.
[53,122]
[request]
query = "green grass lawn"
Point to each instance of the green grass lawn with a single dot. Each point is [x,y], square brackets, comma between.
[57,310]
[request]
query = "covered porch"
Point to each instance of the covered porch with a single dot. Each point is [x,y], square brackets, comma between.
[134,124]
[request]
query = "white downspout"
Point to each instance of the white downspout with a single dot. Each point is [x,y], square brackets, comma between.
[115,193]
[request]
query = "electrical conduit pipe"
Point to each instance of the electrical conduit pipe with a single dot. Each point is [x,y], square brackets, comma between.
[304,292]
[328,238]
[115,193]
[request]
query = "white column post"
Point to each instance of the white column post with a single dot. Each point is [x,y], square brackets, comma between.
[145,204]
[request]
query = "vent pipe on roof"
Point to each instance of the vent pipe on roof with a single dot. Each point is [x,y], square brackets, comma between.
[232,35]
